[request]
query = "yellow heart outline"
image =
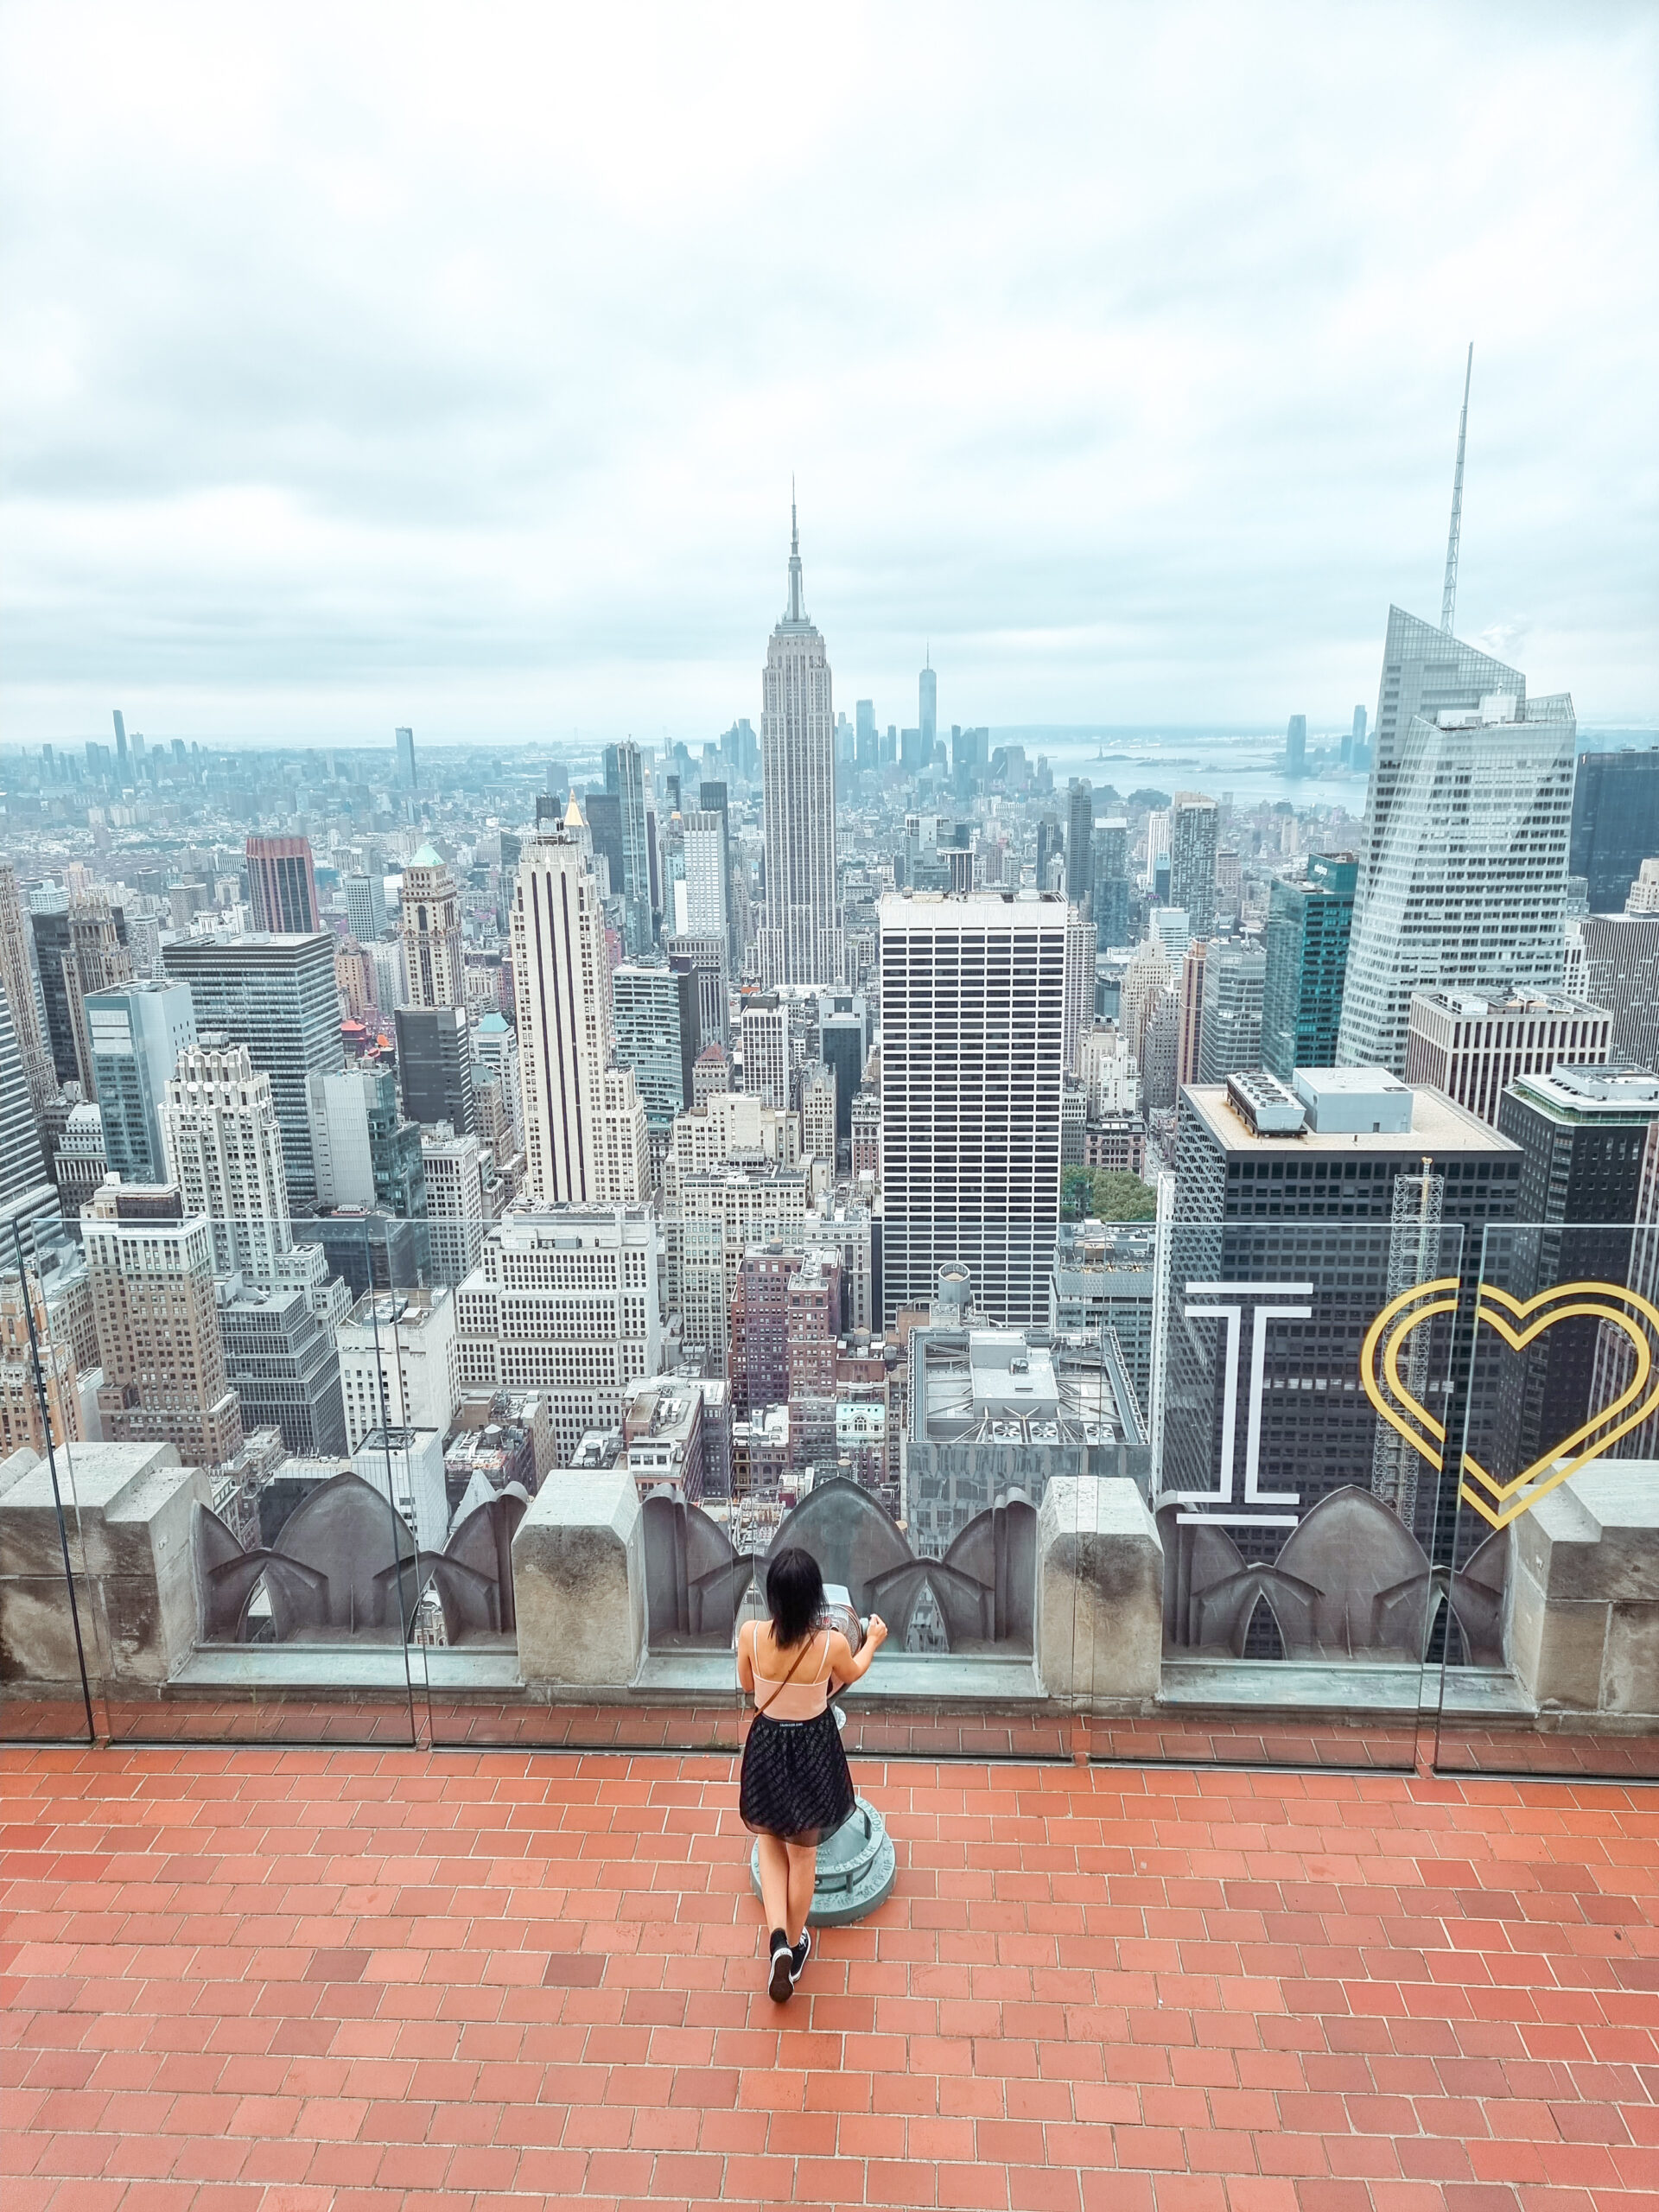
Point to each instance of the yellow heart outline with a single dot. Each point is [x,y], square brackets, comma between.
[1603,1300]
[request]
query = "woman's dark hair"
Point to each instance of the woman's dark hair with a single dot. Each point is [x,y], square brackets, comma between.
[794,1594]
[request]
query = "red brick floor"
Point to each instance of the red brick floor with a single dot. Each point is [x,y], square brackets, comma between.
[282,1981]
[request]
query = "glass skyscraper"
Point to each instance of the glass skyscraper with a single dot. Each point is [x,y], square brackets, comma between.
[624,781]
[1079,840]
[277,996]
[1462,880]
[1615,823]
[137,1030]
[1309,926]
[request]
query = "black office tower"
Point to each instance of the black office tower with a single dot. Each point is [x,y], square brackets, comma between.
[1582,1132]
[434,1067]
[604,813]
[844,1046]
[1615,823]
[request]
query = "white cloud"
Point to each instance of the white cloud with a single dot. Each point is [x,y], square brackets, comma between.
[450,365]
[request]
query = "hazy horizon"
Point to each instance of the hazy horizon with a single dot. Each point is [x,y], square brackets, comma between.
[370,368]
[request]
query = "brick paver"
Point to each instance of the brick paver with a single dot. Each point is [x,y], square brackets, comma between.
[293,1981]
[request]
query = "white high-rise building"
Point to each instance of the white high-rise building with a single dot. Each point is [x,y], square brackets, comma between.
[1463,864]
[430,929]
[366,904]
[584,1122]
[399,1361]
[706,886]
[1230,1033]
[224,1146]
[973,1026]
[459,1176]
[800,931]
[338,1113]
[764,1031]
[730,1128]
[391,976]
[565,1302]
[1107,1070]
[818,1117]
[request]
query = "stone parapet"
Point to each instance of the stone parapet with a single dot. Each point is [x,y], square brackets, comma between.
[1100,1593]
[1584,1628]
[579,1585]
[127,1509]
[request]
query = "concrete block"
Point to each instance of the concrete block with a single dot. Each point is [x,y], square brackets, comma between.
[1100,1592]
[1630,1674]
[127,1513]
[579,1582]
[1585,1624]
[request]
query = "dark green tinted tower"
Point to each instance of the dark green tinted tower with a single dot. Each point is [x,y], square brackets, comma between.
[1308,927]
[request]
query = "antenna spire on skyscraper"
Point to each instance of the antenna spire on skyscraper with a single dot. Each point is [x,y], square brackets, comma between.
[797,611]
[1449,595]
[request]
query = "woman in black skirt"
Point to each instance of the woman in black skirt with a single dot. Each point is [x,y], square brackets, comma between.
[795,1789]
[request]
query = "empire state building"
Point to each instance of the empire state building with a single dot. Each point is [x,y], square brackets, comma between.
[800,937]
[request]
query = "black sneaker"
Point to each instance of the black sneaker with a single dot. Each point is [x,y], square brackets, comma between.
[783,1974]
[799,1955]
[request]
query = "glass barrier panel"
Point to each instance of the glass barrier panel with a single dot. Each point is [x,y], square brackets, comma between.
[1302,1371]
[289,1554]
[615,1498]
[483,1449]
[45,1672]
[1553,1525]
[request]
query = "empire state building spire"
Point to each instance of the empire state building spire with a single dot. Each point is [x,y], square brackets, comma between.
[797,609]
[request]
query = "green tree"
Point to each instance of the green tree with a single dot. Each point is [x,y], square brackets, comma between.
[1107,1194]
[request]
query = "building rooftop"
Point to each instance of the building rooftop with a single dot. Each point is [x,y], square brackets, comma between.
[1011,1376]
[1437,1125]
[1100,1245]
[1483,1005]
[1594,1093]
[284,941]
[1003,1383]
[1349,1101]
[527,1981]
[599,1448]
[395,1439]
[958,909]
[665,1411]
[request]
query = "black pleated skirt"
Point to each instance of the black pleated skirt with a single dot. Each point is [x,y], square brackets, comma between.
[795,1784]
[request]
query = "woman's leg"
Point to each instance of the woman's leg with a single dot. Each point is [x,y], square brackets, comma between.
[774,1881]
[802,1872]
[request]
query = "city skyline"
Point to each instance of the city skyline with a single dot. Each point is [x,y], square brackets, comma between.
[1148,458]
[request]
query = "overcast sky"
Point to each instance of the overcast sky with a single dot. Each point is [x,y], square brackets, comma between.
[449,366]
